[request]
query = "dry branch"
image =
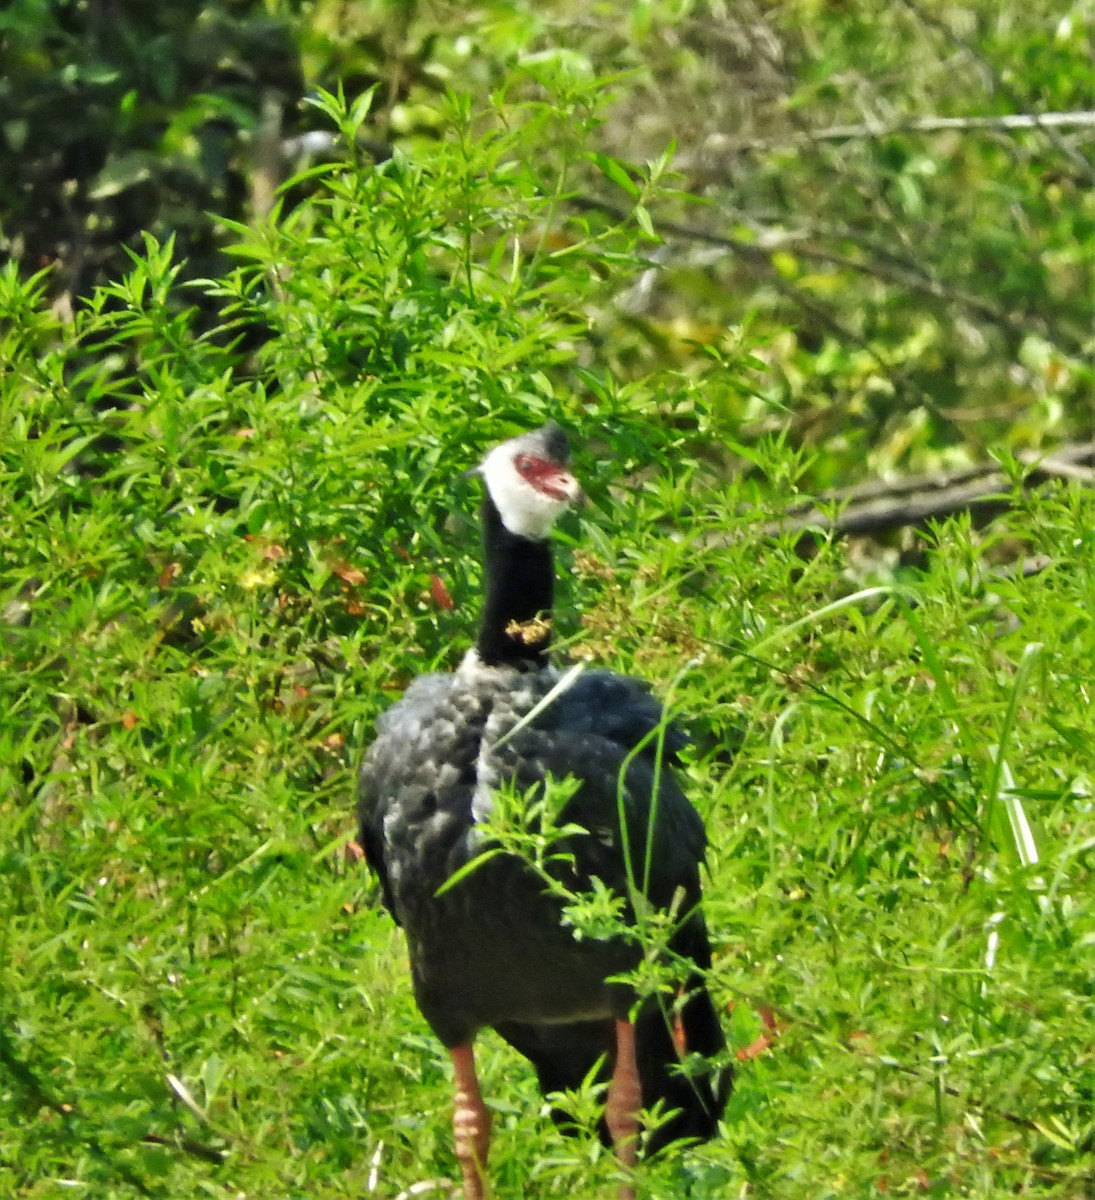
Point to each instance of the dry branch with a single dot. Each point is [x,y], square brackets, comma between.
[721,144]
[878,507]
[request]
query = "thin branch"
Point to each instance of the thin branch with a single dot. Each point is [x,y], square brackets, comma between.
[760,257]
[882,262]
[1001,84]
[36,1094]
[916,279]
[898,226]
[188,1145]
[878,507]
[1069,470]
[869,130]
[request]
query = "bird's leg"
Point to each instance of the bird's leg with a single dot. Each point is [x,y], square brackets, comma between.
[470,1123]
[625,1102]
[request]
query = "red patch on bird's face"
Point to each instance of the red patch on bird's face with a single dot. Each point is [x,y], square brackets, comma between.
[554,481]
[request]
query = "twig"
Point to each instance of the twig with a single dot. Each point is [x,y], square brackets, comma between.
[876,507]
[198,1149]
[760,256]
[869,130]
[1000,83]
[916,279]
[38,1096]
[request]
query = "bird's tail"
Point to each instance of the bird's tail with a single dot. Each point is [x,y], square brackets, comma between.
[681,1050]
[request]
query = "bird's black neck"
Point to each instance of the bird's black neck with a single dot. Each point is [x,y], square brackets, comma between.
[520,581]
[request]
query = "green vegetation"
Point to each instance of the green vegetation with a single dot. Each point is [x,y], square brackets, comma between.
[232,526]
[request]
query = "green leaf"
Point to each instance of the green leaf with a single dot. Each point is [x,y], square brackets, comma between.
[642,216]
[612,169]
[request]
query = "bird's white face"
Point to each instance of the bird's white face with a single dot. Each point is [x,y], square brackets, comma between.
[530,491]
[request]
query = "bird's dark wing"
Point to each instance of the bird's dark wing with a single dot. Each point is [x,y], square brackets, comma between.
[416,782]
[440,751]
[609,733]
[622,710]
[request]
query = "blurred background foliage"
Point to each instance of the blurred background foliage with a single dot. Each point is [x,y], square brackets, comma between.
[914,295]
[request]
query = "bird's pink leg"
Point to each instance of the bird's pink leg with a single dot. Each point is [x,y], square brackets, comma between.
[625,1102]
[470,1123]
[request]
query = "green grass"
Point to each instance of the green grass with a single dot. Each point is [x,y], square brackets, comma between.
[217,567]
[179,903]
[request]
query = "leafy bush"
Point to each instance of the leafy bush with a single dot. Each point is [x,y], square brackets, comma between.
[227,542]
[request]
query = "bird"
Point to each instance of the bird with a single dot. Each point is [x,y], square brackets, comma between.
[490,946]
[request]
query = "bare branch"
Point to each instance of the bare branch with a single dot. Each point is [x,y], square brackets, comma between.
[877,507]
[868,130]
[759,255]
[190,1146]
[999,82]
[266,175]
